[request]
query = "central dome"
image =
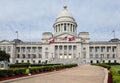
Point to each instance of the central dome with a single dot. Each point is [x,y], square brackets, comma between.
[65,16]
[65,23]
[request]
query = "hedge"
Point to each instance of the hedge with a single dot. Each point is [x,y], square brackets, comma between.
[41,69]
[19,65]
[70,65]
[103,65]
[50,68]
[12,72]
[115,71]
[27,65]
[32,70]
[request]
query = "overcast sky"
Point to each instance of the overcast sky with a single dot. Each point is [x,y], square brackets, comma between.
[33,17]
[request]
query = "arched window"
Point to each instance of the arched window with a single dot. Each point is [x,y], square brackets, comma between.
[97,61]
[39,61]
[71,27]
[65,27]
[91,61]
[109,61]
[59,27]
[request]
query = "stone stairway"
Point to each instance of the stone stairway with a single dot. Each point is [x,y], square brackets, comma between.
[66,61]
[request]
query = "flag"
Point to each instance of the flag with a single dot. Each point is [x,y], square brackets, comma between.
[65,38]
[51,41]
[113,31]
[72,38]
[16,32]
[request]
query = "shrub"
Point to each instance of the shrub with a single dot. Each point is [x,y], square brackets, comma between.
[113,63]
[12,72]
[119,72]
[103,65]
[19,65]
[3,73]
[38,65]
[70,65]
[113,71]
[21,71]
[116,79]
[41,69]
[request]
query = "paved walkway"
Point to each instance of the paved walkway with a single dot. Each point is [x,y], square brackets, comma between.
[81,74]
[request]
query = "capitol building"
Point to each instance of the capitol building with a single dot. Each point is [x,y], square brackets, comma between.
[65,45]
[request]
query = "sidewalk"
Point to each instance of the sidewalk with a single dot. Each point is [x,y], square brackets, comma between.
[81,74]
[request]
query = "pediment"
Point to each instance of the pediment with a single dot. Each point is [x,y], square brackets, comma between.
[65,35]
[5,42]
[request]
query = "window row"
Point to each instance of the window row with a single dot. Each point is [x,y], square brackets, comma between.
[103,49]
[28,50]
[6,48]
[65,47]
[103,61]
[102,56]
[29,56]
[29,61]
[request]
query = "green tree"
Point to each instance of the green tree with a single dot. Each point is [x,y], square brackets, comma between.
[4,56]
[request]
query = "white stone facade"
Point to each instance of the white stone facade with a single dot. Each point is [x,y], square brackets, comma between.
[63,46]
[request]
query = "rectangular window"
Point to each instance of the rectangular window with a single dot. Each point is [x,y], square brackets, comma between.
[9,49]
[91,55]
[46,55]
[65,47]
[84,55]
[108,49]
[74,47]
[28,55]
[4,48]
[23,49]
[18,49]
[108,56]
[40,56]
[96,49]
[60,47]
[70,47]
[39,49]
[34,56]
[113,49]
[96,56]
[102,49]
[18,56]
[91,49]
[23,55]
[102,56]
[28,49]
[113,56]
[33,49]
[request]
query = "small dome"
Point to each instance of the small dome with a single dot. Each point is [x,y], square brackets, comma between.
[65,16]
[17,41]
[47,35]
[114,40]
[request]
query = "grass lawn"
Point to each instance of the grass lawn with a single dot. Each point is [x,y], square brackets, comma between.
[115,71]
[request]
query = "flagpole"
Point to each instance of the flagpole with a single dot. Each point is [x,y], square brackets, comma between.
[114,34]
[17,34]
